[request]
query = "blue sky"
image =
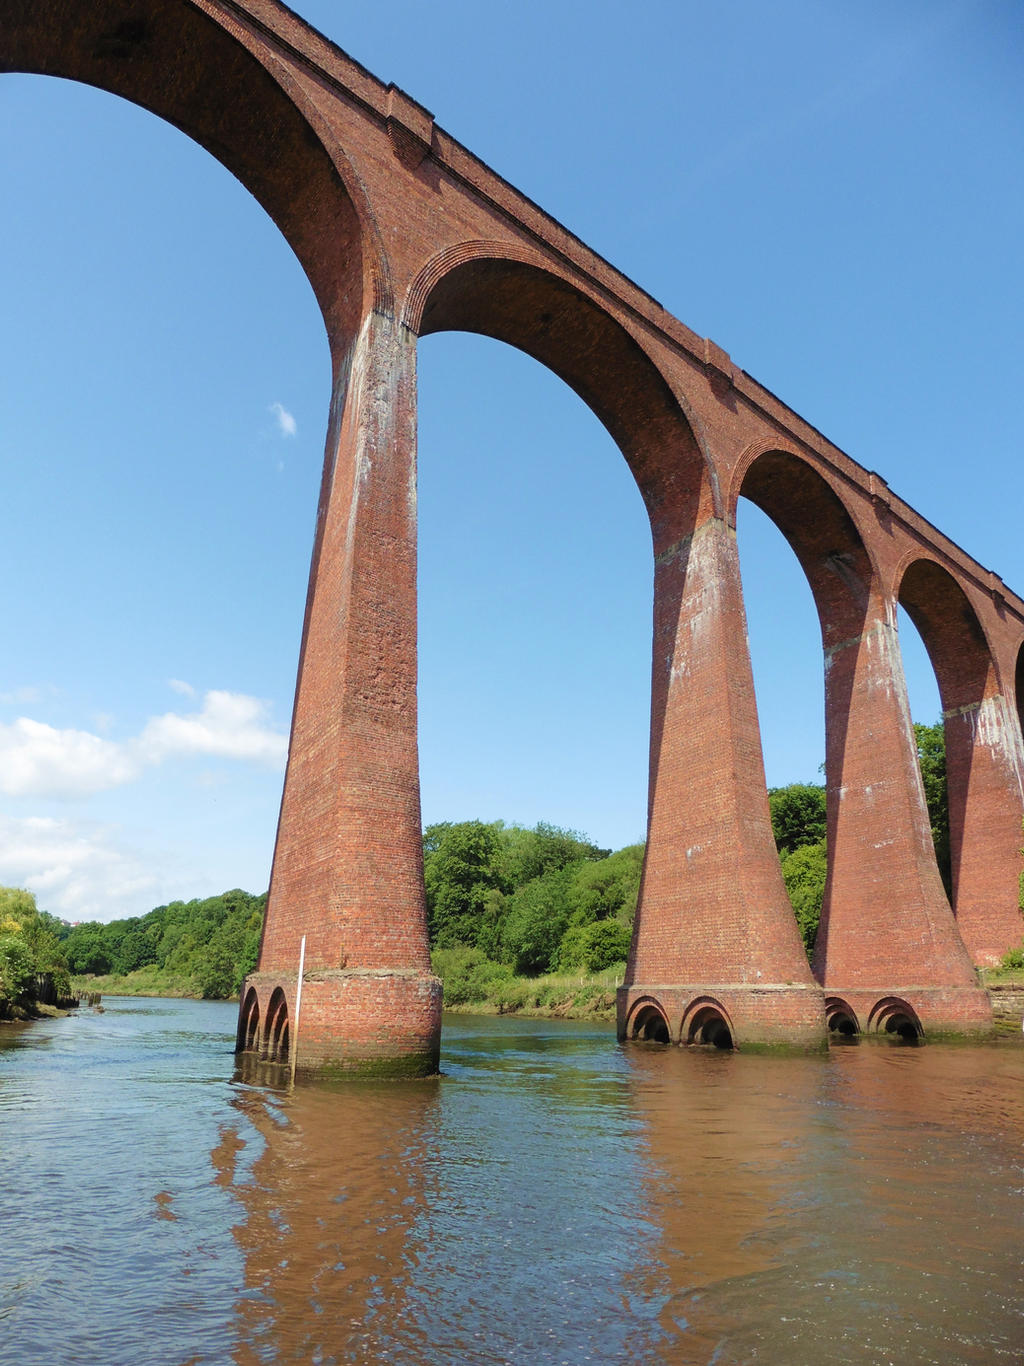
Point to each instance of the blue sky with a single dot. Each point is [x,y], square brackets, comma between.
[832,192]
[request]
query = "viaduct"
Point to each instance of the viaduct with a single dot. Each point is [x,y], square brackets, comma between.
[403,232]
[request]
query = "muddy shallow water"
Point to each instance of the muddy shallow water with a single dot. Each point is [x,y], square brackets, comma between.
[551,1198]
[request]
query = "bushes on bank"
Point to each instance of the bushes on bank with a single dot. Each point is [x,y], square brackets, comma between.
[32,960]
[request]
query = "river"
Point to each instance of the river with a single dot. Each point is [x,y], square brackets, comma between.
[552,1198]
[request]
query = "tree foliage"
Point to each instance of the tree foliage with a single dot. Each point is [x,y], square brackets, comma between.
[30,946]
[804,870]
[524,899]
[798,815]
[931,755]
[212,942]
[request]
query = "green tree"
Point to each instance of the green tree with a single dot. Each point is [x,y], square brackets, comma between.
[538,916]
[525,854]
[17,904]
[88,949]
[931,755]
[459,865]
[17,966]
[607,888]
[594,947]
[804,870]
[798,815]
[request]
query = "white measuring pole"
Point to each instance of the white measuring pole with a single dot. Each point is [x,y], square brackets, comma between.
[298,1006]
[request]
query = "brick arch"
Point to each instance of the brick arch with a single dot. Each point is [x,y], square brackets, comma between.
[504,292]
[276,1032]
[981,738]
[953,634]
[707,1021]
[964,671]
[248,1023]
[894,1015]
[1018,686]
[820,528]
[222,85]
[648,1021]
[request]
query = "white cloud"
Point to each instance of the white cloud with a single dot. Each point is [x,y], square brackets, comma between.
[177,685]
[79,872]
[38,760]
[230,726]
[286,424]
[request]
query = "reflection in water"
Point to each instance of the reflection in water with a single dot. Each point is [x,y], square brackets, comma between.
[551,1199]
[866,1207]
[487,1216]
[329,1208]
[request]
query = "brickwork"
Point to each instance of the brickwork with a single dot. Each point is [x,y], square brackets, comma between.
[402,232]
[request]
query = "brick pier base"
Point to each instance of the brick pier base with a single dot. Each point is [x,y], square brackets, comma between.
[735,1014]
[358,1021]
[927,1012]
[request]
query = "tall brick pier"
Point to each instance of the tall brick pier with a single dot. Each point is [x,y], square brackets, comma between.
[403,232]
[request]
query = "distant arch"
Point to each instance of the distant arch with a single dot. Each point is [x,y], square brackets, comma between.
[821,529]
[502,291]
[965,673]
[950,628]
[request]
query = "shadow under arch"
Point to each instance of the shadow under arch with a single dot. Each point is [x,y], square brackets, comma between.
[648,1023]
[892,1015]
[965,673]
[179,63]
[707,1023]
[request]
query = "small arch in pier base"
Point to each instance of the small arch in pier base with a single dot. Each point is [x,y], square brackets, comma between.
[759,1018]
[707,1023]
[276,1033]
[249,1024]
[841,1018]
[895,1017]
[648,1024]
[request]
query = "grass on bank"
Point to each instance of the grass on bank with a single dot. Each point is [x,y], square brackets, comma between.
[477,985]
[148,981]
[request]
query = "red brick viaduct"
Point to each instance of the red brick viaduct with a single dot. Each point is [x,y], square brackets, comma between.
[402,232]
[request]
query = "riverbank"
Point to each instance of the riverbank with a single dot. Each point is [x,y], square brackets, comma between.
[559,997]
[571,996]
[15,1014]
[147,981]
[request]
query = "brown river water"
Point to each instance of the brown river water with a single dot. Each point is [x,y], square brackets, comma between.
[552,1198]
